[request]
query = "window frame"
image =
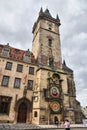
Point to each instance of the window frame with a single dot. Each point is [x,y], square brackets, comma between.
[31,70]
[8,66]
[35,114]
[50,42]
[17,84]
[5,102]
[5,52]
[30,85]
[19,68]
[5,83]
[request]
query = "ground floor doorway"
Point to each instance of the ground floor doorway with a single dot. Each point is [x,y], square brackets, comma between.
[23,110]
[22,113]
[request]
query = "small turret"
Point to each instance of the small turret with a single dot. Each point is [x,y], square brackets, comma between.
[41,11]
[66,68]
[57,17]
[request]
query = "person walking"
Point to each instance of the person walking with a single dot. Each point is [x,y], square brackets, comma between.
[56,121]
[67,125]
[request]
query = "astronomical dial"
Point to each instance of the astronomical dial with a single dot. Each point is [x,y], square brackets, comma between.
[55,106]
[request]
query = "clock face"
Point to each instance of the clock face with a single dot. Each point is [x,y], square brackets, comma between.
[54,92]
[55,106]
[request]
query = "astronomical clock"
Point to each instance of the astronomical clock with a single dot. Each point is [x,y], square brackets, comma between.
[53,94]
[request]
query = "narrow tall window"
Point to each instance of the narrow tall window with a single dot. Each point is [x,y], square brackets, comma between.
[31,70]
[30,84]
[5,80]
[35,113]
[17,82]
[50,42]
[4,104]
[8,66]
[19,68]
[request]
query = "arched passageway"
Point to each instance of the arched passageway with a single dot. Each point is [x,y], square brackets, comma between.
[22,113]
[23,109]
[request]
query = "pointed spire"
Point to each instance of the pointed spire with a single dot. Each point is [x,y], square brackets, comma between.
[57,17]
[64,63]
[41,11]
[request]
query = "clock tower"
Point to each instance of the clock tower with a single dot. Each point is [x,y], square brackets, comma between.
[46,40]
[54,97]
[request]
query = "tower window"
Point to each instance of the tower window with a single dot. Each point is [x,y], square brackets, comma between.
[51,61]
[50,42]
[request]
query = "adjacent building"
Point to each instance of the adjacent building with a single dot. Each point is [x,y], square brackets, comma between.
[36,87]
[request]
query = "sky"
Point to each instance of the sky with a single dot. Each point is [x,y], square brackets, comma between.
[17,18]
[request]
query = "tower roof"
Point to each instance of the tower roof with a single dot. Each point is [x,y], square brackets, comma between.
[47,16]
[47,13]
[66,68]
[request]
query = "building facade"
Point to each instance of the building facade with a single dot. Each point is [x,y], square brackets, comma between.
[36,87]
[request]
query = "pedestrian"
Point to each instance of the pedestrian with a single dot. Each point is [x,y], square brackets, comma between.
[67,125]
[56,121]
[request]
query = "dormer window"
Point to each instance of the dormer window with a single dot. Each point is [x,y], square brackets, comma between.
[5,53]
[27,58]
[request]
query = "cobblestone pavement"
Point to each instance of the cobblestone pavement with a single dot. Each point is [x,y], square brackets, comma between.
[36,127]
[18,127]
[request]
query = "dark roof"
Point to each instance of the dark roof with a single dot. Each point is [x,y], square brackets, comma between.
[66,68]
[47,13]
